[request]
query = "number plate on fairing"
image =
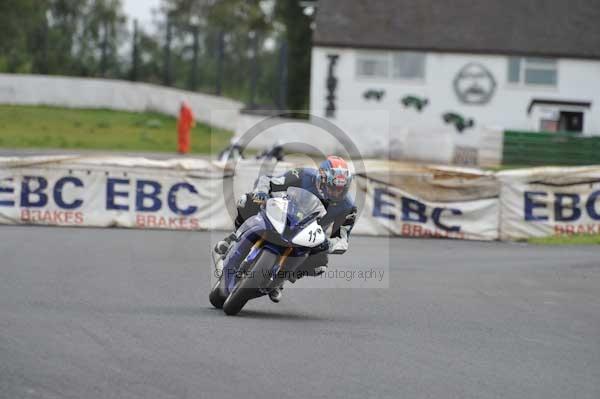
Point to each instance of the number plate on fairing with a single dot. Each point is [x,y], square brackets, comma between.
[312,236]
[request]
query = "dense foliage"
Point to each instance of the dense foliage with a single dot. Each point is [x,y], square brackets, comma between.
[229,47]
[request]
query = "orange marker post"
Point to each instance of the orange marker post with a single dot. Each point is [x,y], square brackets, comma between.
[184,127]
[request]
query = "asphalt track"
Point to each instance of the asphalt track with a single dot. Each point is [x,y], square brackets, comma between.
[88,313]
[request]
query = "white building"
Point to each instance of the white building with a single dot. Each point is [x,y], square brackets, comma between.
[440,64]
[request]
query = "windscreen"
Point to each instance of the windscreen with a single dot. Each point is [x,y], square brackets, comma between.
[303,204]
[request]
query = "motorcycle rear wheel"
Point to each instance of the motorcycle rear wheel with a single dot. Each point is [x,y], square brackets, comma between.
[217,297]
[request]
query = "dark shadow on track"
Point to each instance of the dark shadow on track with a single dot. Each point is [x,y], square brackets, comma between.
[260,315]
[178,311]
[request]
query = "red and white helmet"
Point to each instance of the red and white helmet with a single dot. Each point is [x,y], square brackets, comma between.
[334,179]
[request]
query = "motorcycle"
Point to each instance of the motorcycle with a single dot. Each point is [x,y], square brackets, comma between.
[268,249]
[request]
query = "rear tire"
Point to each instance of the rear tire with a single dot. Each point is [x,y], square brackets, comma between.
[217,297]
[248,287]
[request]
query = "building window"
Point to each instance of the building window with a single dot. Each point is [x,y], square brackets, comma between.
[403,65]
[533,71]
[373,65]
[408,65]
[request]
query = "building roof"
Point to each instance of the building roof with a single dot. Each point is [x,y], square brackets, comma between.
[554,28]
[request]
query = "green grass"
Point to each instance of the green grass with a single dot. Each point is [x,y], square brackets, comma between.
[567,240]
[506,167]
[62,128]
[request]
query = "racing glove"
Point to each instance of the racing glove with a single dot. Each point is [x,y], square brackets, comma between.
[322,248]
[259,197]
[339,245]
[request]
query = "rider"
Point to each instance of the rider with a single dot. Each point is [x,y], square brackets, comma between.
[330,183]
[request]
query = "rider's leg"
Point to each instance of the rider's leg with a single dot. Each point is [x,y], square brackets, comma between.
[276,294]
[245,208]
[223,246]
[313,266]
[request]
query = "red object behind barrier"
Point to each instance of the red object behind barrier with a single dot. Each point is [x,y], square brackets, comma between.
[184,126]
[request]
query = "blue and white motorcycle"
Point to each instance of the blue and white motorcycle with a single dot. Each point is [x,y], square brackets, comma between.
[269,248]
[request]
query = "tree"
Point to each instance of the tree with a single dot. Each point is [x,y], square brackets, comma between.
[226,29]
[150,56]
[19,20]
[102,30]
[298,34]
[70,37]
[213,43]
[65,21]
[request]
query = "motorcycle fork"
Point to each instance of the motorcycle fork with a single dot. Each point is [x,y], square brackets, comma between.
[282,261]
[251,256]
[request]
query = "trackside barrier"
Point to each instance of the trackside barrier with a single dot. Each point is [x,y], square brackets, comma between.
[542,202]
[537,148]
[399,199]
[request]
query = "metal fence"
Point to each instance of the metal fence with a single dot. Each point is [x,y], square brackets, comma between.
[535,148]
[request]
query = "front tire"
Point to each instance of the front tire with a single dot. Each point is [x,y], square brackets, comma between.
[248,287]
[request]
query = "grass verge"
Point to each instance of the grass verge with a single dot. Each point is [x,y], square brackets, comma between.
[99,129]
[567,240]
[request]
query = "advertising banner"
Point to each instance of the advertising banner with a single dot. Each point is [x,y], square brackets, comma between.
[392,211]
[201,195]
[542,202]
[397,199]
[112,193]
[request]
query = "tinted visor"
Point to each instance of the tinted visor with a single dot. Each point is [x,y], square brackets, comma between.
[337,192]
[339,188]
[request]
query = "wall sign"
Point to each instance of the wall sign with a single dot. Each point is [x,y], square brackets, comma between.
[373,94]
[474,84]
[331,83]
[460,122]
[415,102]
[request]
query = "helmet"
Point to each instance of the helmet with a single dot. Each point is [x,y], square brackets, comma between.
[334,179]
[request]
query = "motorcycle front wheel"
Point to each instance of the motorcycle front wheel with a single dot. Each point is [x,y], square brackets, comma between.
[248,287]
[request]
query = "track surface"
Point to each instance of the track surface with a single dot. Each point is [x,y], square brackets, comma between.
[88,313]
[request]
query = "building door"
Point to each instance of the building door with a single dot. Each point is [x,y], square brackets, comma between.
[571,122]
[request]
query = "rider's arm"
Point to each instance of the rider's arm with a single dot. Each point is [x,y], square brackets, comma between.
[338,243]
[268,184]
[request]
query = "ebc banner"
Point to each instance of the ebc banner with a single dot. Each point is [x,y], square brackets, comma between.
[550,201]
[392,211]
[119,197]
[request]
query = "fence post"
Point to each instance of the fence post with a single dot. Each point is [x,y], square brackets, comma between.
[135,53]
[220,59]
[104,49]
[193,85]
[282,75]
[254,70]
[167,65]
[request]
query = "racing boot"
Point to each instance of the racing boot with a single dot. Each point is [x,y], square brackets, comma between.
[316,272]
[223,246]
[276,294]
